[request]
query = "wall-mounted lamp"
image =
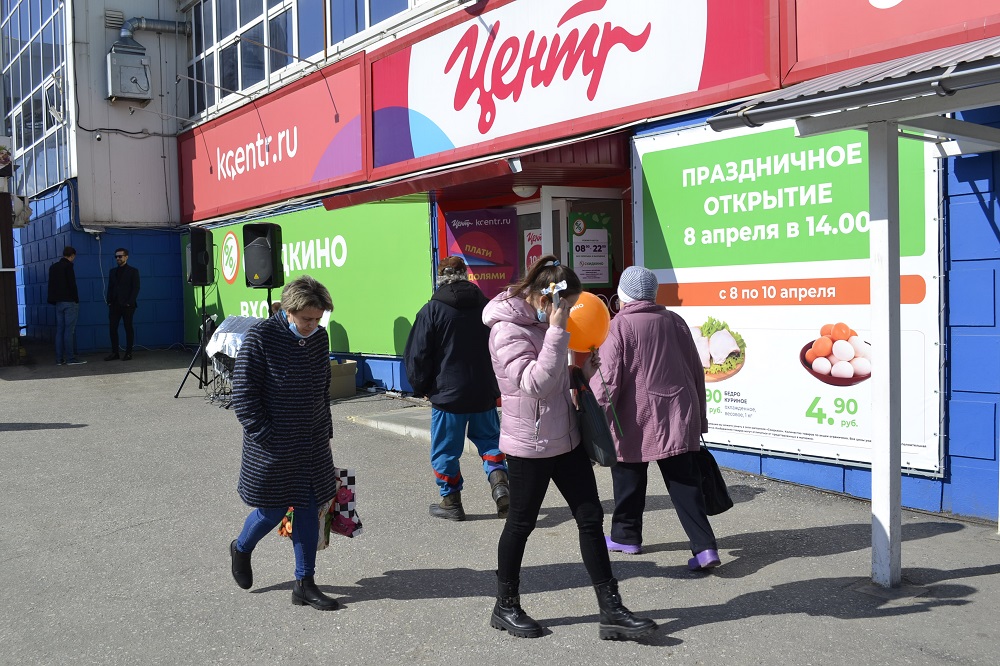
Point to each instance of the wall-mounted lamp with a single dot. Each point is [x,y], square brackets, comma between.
[524,191]
[515,164]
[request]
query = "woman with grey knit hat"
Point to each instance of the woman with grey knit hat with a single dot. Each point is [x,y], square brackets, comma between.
[656,383]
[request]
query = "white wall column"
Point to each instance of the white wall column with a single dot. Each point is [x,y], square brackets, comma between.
[883,181]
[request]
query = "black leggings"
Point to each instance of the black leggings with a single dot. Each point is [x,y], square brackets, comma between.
[574,478]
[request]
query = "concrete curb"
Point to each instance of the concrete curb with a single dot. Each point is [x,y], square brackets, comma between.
[412,422]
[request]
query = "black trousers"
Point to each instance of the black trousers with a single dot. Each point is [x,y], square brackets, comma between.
[683,480]
[116,314]
[574,478]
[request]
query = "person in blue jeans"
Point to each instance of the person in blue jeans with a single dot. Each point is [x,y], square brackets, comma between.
[447,359]
[281,396]
[64,295]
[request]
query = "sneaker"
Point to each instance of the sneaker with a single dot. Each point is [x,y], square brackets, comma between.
[706,559]
[76,361]
[627,548]
[113,356]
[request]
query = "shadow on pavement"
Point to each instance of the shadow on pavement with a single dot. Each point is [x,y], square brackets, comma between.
[18,427]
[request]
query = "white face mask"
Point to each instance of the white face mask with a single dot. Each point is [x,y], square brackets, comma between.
[295,331]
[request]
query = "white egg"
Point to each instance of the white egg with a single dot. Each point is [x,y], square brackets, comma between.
[861,348]
[862,366]
[832,359]
[842,369]
[843,350]
[822,365]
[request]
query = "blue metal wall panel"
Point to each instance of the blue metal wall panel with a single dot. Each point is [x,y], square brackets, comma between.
[972,295]
[972,426]
[745,462]
[973,488]
[974,362]
[807,473]
[972,226]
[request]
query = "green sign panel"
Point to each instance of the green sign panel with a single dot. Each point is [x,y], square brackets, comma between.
[375,259]
[769,197]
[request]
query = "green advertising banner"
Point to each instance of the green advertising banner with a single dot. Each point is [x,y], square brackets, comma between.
[770,197]
[375,259]
[760,241]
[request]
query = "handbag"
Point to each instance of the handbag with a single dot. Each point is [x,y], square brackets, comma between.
[338,516]
[713,486]
[594,431]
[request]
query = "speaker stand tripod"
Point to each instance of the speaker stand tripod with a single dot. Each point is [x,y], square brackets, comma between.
[207,328]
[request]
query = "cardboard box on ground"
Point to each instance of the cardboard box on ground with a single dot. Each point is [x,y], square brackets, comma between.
[342,383]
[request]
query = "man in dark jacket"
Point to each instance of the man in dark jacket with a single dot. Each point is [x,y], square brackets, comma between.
[123,290]
[448,360]
[63,295]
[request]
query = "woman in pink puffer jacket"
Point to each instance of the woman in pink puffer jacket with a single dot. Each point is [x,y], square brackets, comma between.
[540,436]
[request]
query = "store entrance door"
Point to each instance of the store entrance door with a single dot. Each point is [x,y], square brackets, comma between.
[585,230]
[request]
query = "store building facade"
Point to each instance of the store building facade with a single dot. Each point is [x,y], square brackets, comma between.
[505,130]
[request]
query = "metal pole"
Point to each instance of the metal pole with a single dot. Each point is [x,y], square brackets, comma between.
[883,182]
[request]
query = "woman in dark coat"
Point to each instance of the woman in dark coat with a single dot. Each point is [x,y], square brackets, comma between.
[281,395]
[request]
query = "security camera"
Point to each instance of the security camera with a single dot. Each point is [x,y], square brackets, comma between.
[98,137]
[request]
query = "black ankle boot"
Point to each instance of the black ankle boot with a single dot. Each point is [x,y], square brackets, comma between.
[500,490]
[508,614]
[242,572]
[618,622]
[450,507]
[306,593]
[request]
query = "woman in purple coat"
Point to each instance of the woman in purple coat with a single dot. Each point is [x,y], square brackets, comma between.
[541,439]
[656,383]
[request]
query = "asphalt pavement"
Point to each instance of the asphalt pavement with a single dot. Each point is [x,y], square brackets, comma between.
[121,503]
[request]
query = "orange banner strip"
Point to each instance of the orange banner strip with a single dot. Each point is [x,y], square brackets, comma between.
[812,291]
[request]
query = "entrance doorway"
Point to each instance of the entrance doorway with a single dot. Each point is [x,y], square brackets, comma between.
[585,230]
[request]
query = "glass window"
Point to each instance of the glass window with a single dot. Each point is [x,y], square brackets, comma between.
[15,83]
[29,131]
[229,70]
[191,93]
[249,10]
[36,62]
[226,17]
[273,3]
[51,161]
[199,88]
[36,15]
[25,26]
[48,64]
[252,56]
[346,18]
[209,27]
[199,33]
[210,79]
[310,20]
[279,34]
[383,9]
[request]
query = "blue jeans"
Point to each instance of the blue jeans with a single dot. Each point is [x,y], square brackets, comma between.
[66,315]
[305,534]
[448,442]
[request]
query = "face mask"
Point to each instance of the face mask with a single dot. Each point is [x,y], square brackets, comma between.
[295,331]
[541,316]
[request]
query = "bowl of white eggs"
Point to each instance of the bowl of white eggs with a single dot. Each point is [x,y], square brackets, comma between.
[848,363]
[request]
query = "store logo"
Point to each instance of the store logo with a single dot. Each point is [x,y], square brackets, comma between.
[586,52]
[230,257]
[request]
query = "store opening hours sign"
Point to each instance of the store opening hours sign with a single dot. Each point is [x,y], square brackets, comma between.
[760,241]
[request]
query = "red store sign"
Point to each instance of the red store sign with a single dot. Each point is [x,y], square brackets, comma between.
[307,137]
[506,74]
[825,36]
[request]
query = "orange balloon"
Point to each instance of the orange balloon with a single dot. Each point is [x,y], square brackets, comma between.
[589,323]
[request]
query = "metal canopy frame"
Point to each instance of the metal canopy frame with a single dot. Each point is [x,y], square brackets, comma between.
[915,94]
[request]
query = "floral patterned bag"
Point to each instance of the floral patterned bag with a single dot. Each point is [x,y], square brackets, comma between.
[338,516]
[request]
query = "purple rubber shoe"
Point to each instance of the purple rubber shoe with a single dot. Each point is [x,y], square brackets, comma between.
[706,559]
[627,548]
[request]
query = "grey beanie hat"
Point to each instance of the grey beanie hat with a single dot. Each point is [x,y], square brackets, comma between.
[637,284]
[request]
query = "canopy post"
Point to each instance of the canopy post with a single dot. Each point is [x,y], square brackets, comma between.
[883,180]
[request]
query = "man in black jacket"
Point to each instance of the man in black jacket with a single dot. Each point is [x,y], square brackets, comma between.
[447,359]
[123,290]
[63,295]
